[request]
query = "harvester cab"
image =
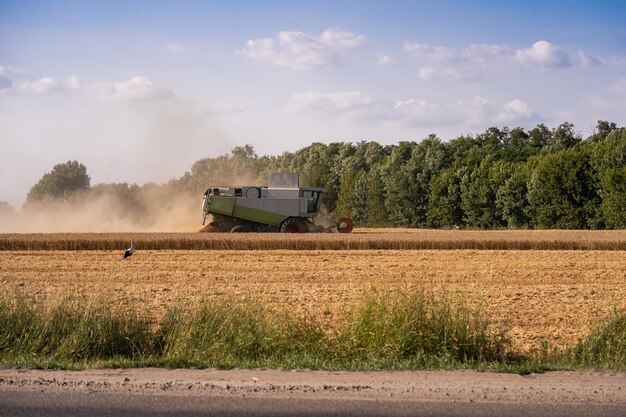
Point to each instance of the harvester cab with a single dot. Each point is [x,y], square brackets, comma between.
[282,206]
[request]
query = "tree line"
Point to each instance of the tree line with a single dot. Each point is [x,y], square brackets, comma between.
[501,178]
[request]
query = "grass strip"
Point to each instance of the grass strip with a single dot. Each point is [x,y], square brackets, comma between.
[604,348]
[410,332]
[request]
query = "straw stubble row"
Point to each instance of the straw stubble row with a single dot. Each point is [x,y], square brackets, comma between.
[363,239]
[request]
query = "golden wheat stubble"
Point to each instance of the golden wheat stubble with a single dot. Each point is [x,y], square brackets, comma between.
[360,239]
[541,295]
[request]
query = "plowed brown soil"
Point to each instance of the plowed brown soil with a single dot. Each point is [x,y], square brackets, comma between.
[553,296]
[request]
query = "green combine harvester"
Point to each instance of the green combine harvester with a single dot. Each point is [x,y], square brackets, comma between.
[282,206]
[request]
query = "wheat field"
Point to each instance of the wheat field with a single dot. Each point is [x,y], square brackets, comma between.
[360,239]
[543,296]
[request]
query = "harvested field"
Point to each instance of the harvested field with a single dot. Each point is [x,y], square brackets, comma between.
[360,239]
[543,295]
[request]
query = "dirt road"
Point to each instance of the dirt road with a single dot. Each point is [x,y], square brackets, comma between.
[276,392]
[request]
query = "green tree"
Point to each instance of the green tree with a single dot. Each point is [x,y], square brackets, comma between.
[361,193]
[321,165]
[512,198]
[238,168]
[493,139]
[478,194]
[613,207]
[518,146]
[562,191]
[609,161]
[461,147]
[376,212]
[611,152]
[563,136]
[353,197]
[64,181]
[540,136]
[603,129]
[407,175]
[444,205]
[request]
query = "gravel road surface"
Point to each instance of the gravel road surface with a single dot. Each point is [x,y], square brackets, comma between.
[195,392]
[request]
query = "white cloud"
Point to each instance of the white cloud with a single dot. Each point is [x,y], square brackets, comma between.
[48,85]
[513,111]
[178,49]
[436,53]
[338,39]
[73,83]
[467,63]
[300,50]
[7,75]
[422,112]
[476,112]
[543,55]
[472,53]
[359,106]
[330,102]
[44,85]
[483,52]
[430,73]
[138,89]
[384,60]
[587,60]
[10,72]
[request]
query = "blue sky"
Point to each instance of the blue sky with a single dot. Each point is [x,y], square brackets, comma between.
[138,91]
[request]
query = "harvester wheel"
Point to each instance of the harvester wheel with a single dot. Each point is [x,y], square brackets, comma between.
[241,228]
[294,225]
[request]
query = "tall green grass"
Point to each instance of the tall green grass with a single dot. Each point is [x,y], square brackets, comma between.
[416,331]
[604,348]
[235,335]
[70,330]
[422,330]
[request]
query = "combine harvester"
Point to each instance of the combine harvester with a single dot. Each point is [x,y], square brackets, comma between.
[282,206]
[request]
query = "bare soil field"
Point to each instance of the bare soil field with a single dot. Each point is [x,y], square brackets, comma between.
[542,295]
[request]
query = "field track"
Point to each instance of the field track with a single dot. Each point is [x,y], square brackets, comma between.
[361,239]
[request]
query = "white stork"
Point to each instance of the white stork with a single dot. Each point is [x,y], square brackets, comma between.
[128,252]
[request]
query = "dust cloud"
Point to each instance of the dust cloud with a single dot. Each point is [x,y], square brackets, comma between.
[156,211]
[120,207]
[325,219]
